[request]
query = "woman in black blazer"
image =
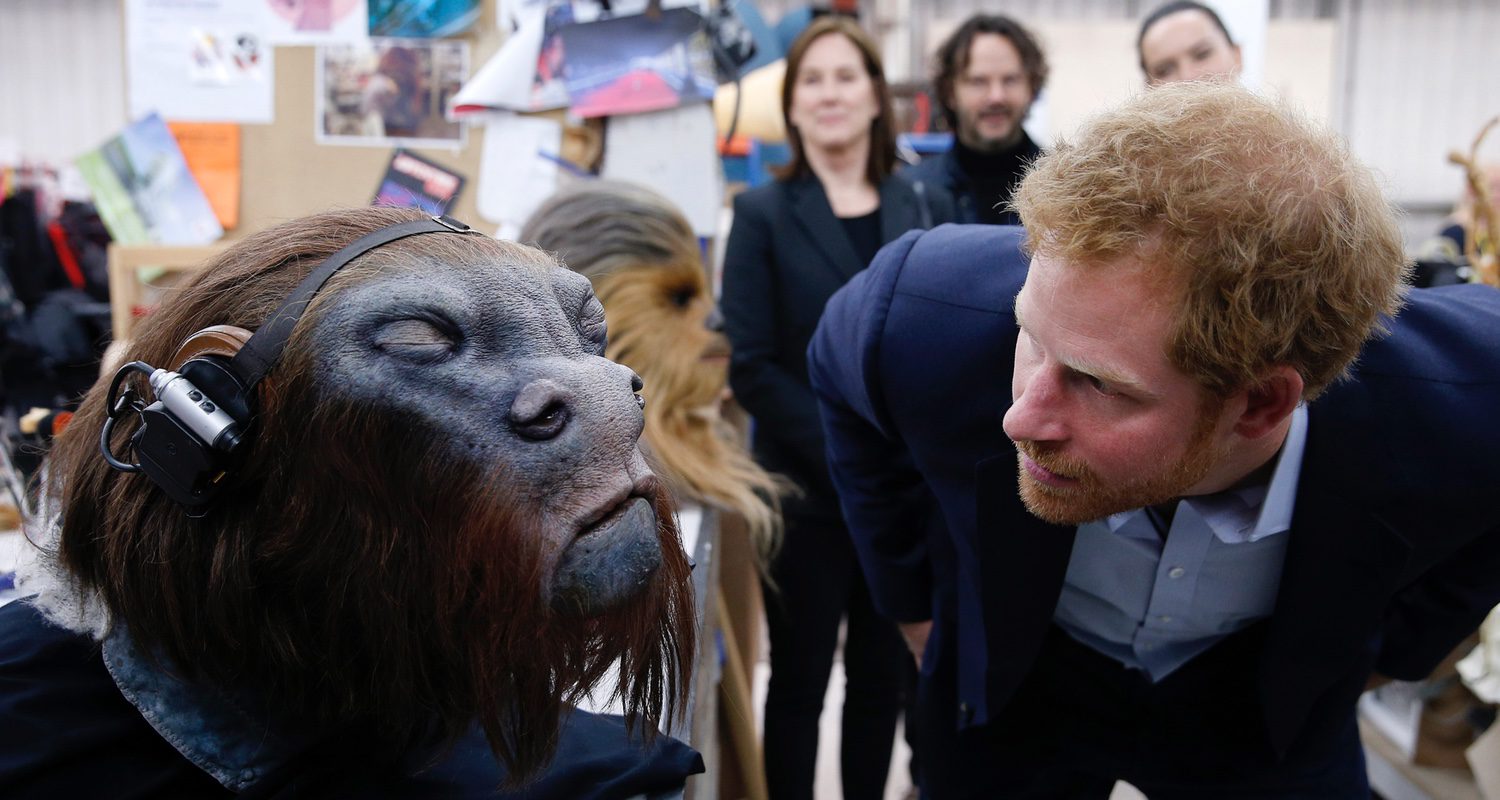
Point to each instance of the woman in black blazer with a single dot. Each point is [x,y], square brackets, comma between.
[793,244]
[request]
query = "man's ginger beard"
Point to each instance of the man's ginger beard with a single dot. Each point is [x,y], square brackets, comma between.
[1090,499]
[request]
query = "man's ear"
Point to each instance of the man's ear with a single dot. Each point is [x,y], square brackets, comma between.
[1269,402]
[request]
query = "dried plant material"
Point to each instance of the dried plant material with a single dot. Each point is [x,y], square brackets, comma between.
[1480,241]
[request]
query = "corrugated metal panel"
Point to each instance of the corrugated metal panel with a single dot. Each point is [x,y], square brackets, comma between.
[1421,80]
[62,85]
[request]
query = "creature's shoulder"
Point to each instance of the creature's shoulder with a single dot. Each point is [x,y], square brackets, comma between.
[68,732]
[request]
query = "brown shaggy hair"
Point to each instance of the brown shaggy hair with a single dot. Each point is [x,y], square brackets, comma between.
[882,158]
[952,57]
[357,574]
[1275,243]
[642,257]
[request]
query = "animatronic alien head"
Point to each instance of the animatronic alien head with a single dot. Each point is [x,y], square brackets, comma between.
[442,514]
[643,259]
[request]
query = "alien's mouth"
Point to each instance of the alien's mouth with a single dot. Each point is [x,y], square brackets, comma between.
[610,516]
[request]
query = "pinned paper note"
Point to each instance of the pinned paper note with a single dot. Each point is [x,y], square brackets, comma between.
[518,169]
[518,78]
[144,191]
[314,21]
[204,61]
[212,153]
[673,152]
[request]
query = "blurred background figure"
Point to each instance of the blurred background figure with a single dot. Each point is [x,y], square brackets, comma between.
[1458,228]
[1186,41]
[793,243]
[987,75]
[643,260]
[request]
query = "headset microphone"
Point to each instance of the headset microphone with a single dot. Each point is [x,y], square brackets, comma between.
[195,431]
[192,407]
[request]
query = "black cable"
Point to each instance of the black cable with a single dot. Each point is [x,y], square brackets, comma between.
[115,408]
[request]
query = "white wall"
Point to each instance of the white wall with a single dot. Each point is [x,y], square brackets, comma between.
[62,83]
[1422,78]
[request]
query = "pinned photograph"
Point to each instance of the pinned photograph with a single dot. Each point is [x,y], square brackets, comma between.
[412,181]
[390,92]
[315,21]
[628,65]
[144,190]
[426,18]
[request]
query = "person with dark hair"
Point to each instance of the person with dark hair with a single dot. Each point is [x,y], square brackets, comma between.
[793,243]
[1186,41]
[1161,483]
[987,75]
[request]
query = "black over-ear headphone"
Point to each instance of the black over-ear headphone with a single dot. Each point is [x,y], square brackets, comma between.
[195,431]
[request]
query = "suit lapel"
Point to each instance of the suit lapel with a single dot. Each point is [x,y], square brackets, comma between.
[1023,561]
[812,212]
[1342,564]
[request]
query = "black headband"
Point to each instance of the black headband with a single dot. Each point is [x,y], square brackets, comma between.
[259,354]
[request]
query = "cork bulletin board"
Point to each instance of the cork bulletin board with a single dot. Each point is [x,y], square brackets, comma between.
[286,173]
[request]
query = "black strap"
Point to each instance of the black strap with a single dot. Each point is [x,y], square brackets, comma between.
[259,354]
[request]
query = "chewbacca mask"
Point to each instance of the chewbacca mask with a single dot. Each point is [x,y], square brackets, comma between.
[443,515]
[642,257]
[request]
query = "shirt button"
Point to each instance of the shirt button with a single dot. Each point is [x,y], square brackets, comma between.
[1148,646]
[1164,618]
[1176,572]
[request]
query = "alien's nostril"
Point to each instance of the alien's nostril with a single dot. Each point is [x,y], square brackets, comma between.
[541,410]
[545,424]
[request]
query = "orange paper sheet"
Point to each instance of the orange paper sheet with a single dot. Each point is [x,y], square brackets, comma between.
[212,152]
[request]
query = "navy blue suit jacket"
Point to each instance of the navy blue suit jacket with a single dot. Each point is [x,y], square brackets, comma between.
[1394,553]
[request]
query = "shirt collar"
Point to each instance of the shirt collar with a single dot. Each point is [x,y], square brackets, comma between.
[220,732]
[1247,513]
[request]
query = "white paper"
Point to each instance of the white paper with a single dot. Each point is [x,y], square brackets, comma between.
[198,61]
[505,81]
[314,21]
[673,152]
[1484,760]
[517,170]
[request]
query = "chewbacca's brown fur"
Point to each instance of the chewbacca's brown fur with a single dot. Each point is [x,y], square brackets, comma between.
[359,572]
[643,260]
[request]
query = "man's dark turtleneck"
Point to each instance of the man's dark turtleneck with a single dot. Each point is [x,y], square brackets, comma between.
[992,177]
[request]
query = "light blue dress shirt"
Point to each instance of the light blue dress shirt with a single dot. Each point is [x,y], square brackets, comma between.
[1153,605]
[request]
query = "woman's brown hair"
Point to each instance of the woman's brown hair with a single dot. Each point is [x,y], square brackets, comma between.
[882,158]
